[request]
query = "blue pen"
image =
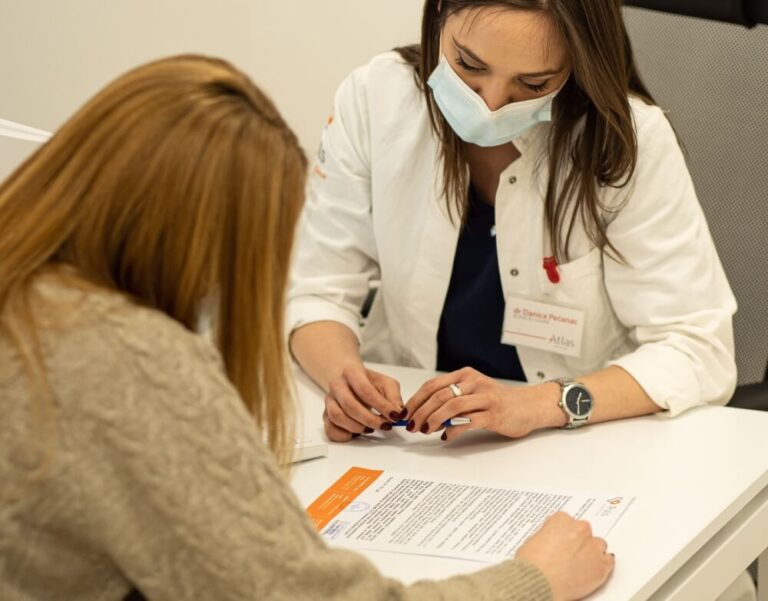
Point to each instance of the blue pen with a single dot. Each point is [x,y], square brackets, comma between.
[456,421]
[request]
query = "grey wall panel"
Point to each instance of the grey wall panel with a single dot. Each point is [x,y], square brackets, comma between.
[712,78]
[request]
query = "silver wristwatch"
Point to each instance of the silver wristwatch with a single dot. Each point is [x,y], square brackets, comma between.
[576,402]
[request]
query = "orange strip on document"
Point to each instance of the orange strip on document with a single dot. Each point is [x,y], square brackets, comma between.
[336,499]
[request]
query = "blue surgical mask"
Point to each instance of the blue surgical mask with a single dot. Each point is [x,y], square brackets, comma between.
[473,121]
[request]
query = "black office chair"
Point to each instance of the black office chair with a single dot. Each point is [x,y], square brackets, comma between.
[742,12]
[709,73]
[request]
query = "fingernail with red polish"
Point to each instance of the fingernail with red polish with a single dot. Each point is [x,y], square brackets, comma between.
[411,425]
[403,414]
[386,426]
[369,430]
[425,428]
[394,416]
[444,436]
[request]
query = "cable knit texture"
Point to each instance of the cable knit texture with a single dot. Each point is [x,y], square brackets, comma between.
[157,479]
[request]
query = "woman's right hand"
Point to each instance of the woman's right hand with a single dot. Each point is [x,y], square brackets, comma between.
[575,562]
[350,400]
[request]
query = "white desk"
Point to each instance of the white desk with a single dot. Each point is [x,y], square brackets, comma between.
[701,482]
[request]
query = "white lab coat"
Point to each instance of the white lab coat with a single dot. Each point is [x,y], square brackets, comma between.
[374,211]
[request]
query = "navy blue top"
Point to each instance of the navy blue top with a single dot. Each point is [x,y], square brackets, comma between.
[473,314]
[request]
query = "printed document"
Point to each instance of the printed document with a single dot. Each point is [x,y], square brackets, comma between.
[387,511]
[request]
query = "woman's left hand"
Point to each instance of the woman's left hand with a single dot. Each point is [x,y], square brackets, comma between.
[513,411]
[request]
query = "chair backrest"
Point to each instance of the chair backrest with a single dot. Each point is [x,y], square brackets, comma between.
[712,79]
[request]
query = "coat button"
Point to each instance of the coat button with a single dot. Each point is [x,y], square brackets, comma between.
[513,180]
[541,375]
[514,273]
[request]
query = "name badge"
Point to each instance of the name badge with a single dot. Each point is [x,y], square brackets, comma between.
[542,326]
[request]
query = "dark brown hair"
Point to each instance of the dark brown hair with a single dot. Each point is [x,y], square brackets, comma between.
[603,153]
[177,182]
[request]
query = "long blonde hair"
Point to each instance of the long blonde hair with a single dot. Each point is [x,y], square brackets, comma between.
[178,181]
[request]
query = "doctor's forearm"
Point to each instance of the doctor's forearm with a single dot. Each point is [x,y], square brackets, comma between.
[617,395]
[323,349]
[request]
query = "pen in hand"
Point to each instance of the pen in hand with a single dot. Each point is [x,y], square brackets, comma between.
[456,421]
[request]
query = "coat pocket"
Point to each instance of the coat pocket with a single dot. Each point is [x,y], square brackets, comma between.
[582,286]
[580,280]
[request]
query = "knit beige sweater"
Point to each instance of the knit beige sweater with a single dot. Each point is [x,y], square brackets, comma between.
[159,480]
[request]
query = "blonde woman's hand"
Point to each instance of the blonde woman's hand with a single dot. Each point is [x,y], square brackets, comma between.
[352,398]
[513,411]
[575,562]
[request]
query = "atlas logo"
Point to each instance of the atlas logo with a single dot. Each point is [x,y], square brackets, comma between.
[561,341]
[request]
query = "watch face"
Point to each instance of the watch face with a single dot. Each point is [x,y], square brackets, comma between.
[578,401]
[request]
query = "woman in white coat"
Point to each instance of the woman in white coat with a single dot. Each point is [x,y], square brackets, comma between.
[528,211]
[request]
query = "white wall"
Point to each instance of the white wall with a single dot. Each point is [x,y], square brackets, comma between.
[304,48]
[54,54]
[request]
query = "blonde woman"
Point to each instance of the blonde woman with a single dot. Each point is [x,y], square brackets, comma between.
[132,453]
